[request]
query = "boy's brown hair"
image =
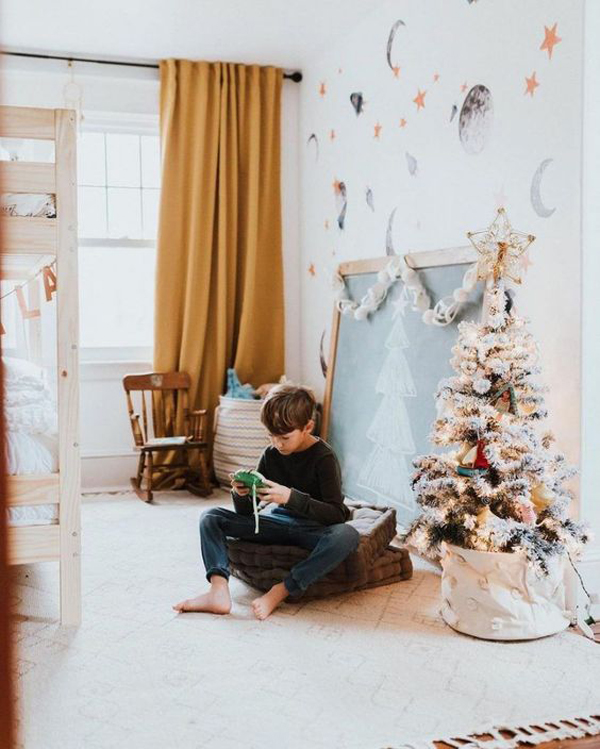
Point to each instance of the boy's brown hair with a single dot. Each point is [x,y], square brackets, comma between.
[288,407]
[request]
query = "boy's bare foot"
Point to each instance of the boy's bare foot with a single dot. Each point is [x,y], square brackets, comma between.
[266,604]
[216,601]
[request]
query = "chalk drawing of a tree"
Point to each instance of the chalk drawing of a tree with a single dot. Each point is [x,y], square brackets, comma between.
[385,471]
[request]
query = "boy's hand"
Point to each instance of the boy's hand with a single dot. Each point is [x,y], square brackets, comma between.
[240,489]
[275,492]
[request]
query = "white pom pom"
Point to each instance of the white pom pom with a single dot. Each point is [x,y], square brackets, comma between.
[428,317]
[361,313]
[460,295]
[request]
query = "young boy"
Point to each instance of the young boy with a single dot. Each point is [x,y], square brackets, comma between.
[304,484]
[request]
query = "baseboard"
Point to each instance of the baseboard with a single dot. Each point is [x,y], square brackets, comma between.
[108,471]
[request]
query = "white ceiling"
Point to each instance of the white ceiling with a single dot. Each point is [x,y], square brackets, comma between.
[286,33]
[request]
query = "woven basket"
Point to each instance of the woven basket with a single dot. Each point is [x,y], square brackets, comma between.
[239,436]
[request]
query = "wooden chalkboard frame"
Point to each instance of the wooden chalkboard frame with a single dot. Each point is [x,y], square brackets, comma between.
[465,255]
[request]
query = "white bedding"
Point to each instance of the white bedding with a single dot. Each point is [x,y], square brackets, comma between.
[31,436]
[32,515]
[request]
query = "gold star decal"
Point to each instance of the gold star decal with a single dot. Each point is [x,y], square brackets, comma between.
[463,88]
[531,84]
[500,249]
[332,135]
[419,99]
[377,130]
[551,38]
[436,77]
[311,269]
[403,122]
[322,89]
[337,186]
[326,224]
[396,70]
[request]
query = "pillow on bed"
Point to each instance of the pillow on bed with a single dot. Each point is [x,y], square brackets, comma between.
[22,374]
[34,418]
[28,454]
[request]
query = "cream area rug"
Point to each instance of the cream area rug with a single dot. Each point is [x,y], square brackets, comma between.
[359,671]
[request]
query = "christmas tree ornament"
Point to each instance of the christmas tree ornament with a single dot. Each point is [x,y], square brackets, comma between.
[504,399]
[500,248]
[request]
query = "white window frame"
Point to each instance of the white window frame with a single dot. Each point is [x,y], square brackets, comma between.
[133,124]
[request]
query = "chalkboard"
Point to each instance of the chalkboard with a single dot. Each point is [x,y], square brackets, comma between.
[384,374]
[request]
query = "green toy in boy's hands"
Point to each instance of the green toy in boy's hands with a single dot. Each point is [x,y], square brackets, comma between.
[253,480]
[250,478]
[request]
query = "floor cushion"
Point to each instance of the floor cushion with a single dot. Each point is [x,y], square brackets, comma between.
[373,563]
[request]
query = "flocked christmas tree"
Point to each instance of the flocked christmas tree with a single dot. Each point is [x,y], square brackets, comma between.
[501,489]
[385,471]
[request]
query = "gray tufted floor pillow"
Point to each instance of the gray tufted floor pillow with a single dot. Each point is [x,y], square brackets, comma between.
[373,563]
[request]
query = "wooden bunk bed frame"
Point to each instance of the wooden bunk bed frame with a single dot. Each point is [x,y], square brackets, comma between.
[31,237]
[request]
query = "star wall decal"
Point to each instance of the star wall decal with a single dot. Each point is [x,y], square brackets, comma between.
[322,89]
[500,249]
[377,130]
[463,88]
[531,84]
[551,39]
[419,99]
[402,122]
[311,269]
[326,224]
[526,261]
[332,135]
[396,70]
[436,77]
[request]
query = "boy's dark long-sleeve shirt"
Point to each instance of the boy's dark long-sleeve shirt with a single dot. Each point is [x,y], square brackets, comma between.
[314,478]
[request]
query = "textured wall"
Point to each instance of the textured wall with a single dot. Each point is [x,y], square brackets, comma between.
[439,132]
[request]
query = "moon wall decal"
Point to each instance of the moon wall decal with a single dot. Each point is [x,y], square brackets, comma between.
[475,120]
[322,355]
[389,239]
[390,42]
[313,138]
[536,198]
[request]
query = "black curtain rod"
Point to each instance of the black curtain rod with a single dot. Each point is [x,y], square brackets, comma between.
[296,76]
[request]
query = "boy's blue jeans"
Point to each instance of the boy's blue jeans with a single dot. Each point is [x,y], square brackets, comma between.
[330,544]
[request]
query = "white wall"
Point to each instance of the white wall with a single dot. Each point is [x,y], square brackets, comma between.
[590,392]
[107,456]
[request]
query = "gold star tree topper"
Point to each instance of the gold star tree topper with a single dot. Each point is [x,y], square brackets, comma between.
[500,248]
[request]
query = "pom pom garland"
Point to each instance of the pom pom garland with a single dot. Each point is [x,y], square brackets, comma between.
[443,312]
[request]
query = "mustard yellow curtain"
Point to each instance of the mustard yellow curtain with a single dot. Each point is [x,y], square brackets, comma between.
[219,288]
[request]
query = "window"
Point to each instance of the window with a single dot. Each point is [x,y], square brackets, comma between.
[118,196]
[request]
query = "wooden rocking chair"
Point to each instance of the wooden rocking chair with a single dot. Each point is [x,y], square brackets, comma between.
[167,391]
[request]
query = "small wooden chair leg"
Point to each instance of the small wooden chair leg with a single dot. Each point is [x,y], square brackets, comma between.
[149,474]
[136,483]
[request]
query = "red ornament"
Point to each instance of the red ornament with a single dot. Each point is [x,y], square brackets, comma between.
[480,459]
